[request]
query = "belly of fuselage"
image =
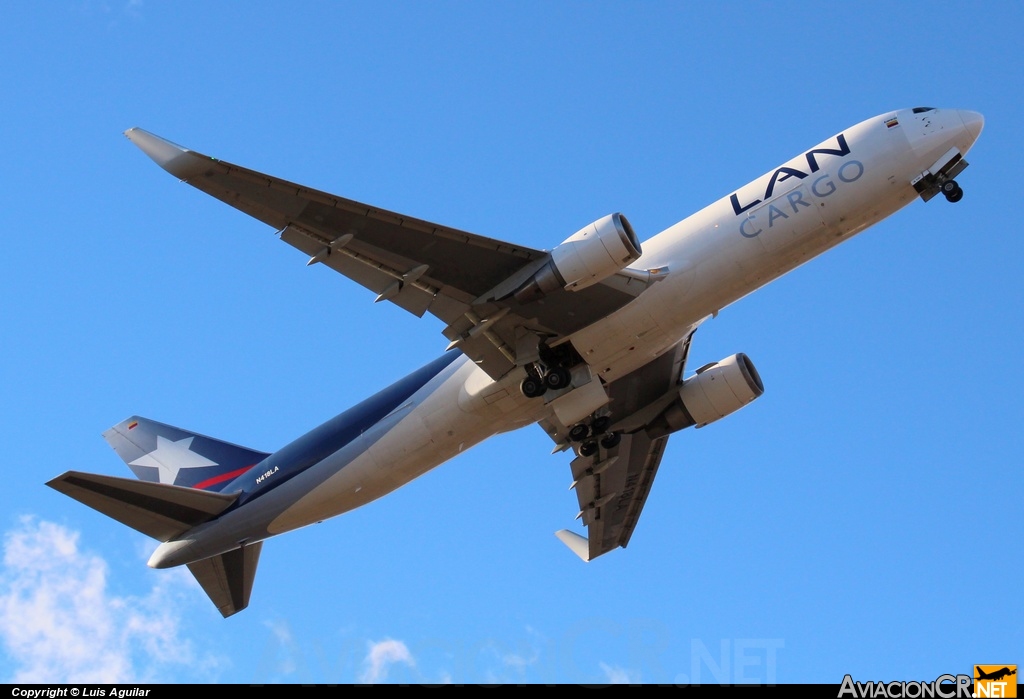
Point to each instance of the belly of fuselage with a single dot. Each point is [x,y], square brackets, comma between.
[438,423]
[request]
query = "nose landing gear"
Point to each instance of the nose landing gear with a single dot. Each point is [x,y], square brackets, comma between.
[952,191]
[940,178]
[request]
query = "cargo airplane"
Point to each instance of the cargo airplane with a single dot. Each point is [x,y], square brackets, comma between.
[589,340]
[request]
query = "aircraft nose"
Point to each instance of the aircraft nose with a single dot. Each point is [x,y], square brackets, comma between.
[973,122]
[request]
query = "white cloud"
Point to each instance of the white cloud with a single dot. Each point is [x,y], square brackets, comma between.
[381,656]
[618,675]
[59,622]
[515,663]
[283,639]
[518,662]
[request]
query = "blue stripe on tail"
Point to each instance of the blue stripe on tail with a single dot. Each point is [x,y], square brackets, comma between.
[165,454]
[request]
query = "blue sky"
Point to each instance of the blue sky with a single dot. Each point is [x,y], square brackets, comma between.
[857,519]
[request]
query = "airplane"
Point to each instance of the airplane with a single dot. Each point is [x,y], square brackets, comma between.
[589,340]
[996,674]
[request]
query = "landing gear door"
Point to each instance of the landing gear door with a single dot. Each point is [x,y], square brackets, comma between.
[931,181]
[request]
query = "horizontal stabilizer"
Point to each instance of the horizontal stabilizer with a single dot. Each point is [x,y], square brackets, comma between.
[576,543]
[227,578]
[155,509]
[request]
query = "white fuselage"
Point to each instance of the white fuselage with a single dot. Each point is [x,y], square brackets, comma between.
[714,257]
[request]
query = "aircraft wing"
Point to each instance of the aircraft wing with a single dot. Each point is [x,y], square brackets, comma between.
[611,500]
[464,279]
[612,485]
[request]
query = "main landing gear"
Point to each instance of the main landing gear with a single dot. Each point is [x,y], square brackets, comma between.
[593,434]
[551,372]
[951,190]
[533,386]
[536,384]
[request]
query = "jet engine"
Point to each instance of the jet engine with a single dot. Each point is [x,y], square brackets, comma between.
[591,254]
[715,391]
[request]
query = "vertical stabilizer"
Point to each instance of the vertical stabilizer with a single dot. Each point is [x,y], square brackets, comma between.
[165,454]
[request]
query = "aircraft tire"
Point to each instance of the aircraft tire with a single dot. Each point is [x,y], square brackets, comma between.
[558,378]
[588,448]
[532,388]
[579,432]
[611,440]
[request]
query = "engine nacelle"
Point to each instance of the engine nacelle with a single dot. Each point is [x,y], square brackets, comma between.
[714,392]
[591,254]
[596,252]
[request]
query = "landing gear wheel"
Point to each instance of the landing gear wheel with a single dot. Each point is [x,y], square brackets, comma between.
[579,432]
[952,191]
[558,378]
[588,448]
[532,388]
[600,424]
[610,441]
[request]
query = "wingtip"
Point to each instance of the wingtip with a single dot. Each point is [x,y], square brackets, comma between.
[173,158]
[576,543]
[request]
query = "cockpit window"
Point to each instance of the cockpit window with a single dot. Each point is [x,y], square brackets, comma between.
[918,110]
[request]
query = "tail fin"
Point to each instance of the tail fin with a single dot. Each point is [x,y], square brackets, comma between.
[169,455]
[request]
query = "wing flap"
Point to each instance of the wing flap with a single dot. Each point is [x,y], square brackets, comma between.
[366,271]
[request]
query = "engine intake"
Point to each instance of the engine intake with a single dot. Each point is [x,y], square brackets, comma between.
[593,253]
[714,392]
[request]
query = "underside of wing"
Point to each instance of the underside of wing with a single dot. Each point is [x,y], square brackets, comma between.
[468,281]
[612,491]
[613,482]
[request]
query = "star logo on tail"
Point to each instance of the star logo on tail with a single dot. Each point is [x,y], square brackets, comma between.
[170,457]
